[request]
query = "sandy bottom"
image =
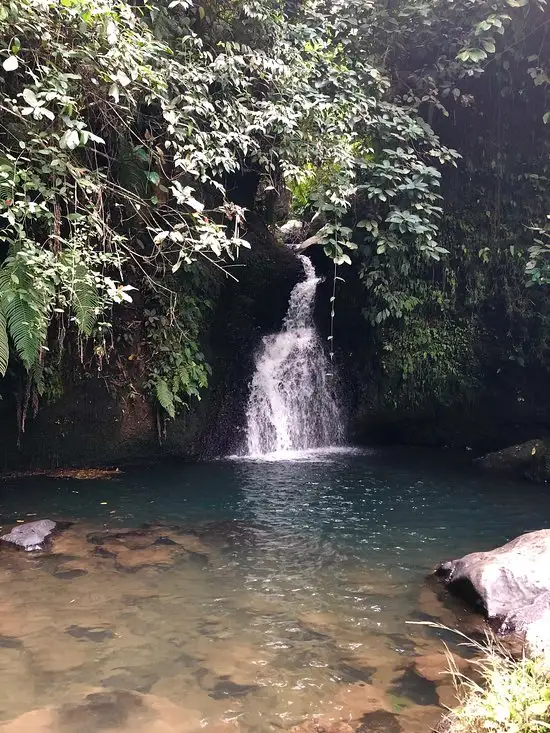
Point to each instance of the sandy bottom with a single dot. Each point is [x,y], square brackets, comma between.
[165,630]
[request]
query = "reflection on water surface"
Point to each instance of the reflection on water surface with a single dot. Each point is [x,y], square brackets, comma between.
[258,594]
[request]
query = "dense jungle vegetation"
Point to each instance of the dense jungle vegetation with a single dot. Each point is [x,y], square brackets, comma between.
[412,134]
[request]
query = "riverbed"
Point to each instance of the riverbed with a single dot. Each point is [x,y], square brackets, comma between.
[245,595]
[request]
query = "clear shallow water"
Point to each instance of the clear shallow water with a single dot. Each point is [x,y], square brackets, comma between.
[286,594]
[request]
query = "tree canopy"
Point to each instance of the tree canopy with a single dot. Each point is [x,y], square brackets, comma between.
[414,131]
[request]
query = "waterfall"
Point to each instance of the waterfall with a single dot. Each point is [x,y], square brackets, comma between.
[292,405]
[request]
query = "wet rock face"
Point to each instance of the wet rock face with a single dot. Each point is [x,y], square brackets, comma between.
[515,459]
[30,536]
[510,584]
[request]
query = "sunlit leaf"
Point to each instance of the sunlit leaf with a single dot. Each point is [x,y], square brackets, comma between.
[10,64]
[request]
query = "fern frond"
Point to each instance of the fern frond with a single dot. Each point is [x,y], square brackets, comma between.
[165,397]
[86,306]
[25,328]
[6,189]
[4,345]
[36,375]
[83,294]
[25,311]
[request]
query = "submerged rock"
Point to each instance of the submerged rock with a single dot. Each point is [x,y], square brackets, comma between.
[135,549]
[510,584]
[414,686]
[120,711]
[379,721]
[316,726]
[31,535]
[90,634]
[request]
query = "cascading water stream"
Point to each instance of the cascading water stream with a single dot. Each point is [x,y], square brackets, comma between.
[292,405]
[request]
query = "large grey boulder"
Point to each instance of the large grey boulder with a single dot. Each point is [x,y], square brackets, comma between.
[510,584]
[31,535]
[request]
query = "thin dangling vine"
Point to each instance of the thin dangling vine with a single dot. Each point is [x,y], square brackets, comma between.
[332,312]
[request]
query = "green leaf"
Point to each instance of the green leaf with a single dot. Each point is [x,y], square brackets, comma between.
[29,97]
[154,177]
[472,54]
[122,78]
[517,3]
[539,708]
[70,140]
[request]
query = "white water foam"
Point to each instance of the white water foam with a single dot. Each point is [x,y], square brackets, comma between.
[292,404]
[328,454]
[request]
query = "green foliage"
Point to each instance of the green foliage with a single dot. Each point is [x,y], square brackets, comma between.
[477,71]
[165,396]
[512,697]
[538,266]
[123,122]
[503,693]
[176,369]
[429,362]
[27,291]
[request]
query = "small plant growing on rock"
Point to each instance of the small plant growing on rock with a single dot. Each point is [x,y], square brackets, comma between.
[510,694]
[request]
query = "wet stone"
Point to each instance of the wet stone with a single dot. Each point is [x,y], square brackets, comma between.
[212,629]
[90,634]
[30,536]
[425,617]
[99,538]
[70,574]
[10,642]
[301,632]
[402,644]
[134,678]
[318,726]
[122,711]
[101,711]
[164,541]
[416,688]
[227,688]
[379,721]
[348,673]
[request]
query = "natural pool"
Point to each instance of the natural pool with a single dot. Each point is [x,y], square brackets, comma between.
[285,595]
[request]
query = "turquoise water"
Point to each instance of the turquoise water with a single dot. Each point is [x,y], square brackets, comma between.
[294,601]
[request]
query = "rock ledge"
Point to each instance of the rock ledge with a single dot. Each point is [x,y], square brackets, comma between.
[510,584]
[30,536]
